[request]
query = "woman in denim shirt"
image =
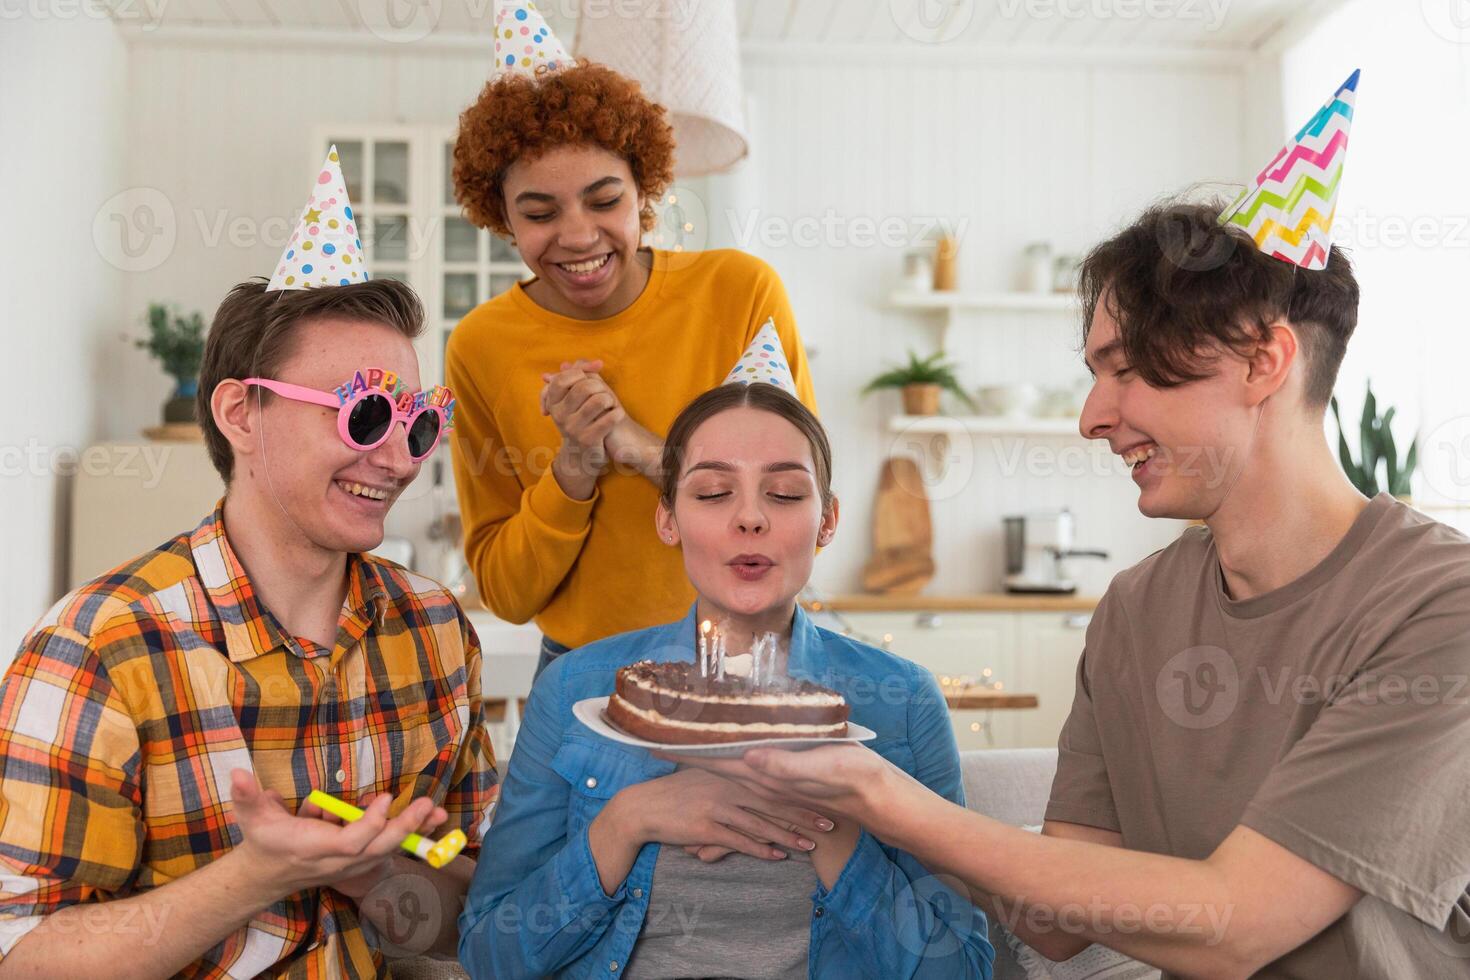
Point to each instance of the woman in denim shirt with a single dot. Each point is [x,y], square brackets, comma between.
[576,882]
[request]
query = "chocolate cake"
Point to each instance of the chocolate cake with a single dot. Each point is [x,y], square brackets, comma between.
[673,704]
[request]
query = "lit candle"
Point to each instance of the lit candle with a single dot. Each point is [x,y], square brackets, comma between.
[704,648]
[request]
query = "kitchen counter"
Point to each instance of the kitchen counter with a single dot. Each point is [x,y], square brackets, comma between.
[509,652]
[969,602]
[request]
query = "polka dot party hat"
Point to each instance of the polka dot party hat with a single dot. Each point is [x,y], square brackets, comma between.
[764,360]
[523,42]
[325,249]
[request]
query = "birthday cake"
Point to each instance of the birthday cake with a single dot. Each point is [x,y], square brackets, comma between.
[674,704]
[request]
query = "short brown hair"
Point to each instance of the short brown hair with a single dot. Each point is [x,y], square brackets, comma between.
[253,330]
[1178,283]
[518,116]
[762,396]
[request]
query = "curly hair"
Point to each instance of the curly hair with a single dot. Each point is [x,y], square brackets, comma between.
[519,117]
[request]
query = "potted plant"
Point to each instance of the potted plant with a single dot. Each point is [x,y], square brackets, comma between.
[1376,446]
[177,342]
[921,380]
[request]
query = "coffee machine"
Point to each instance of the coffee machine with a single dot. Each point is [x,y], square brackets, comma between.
[1038,546]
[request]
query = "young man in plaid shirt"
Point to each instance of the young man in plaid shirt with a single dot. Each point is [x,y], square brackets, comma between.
[162,725]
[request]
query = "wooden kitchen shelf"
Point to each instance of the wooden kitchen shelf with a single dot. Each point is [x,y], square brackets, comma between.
[971,602]
[983,424]
[949,305]
[985,302]
[986,699]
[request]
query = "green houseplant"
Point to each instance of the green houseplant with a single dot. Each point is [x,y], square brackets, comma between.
[921,380]
[177,342]
[1376,450]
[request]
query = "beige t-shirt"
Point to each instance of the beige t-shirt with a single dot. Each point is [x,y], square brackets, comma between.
[1331,715]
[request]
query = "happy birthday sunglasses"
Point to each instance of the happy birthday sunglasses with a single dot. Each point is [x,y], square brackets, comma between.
[370,404]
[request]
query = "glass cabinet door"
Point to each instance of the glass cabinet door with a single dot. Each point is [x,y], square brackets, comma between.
[401,182]
[474,264]
[380,184]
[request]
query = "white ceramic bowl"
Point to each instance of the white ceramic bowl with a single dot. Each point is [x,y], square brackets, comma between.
[1011,399]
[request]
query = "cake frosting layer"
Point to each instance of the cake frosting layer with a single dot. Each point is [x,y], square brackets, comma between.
[654,727]
[671,702]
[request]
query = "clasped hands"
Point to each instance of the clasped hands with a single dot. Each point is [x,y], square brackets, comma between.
[595,429]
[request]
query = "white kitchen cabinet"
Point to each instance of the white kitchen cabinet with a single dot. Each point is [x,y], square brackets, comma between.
[129,496]
[955,644]
[1048,646]
[1027,652]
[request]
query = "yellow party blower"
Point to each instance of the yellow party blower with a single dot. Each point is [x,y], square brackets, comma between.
[436,853]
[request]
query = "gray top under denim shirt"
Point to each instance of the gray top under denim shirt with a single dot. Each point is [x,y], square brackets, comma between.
[536,905]
[740,916]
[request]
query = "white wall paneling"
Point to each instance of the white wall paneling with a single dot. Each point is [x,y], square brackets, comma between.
[64,83]
[1014,153]
[1408,236]
[1019,149]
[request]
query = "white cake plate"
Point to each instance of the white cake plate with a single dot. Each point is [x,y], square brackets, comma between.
[591,712]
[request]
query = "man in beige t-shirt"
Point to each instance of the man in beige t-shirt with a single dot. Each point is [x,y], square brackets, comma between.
[1327,716]
[1283,693]
[1266,770]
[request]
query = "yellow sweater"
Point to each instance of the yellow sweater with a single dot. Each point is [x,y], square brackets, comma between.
[588,569]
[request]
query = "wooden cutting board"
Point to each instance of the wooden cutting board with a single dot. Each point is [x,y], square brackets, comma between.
[903,537]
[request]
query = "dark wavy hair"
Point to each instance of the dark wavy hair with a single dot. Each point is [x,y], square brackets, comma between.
[1181,286]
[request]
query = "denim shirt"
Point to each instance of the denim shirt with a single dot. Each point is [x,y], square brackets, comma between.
[536,906]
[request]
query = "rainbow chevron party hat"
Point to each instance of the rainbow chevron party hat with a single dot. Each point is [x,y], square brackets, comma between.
[1288,210]
[524,42]
[325,249]
[764,360]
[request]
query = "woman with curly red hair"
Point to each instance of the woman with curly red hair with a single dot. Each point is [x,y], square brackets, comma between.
[567,381]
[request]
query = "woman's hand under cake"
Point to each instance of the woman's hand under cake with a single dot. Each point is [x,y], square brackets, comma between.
[585,410]
[834,851]
[831,855]
[843,780]
[695,808]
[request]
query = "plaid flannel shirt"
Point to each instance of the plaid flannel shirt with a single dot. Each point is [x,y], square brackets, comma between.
[130,702]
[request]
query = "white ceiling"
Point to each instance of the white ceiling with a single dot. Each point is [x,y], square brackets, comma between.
[1222,25]
[998,23]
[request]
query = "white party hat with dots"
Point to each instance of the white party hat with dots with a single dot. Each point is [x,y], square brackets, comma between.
[764,360]
[325,249]
[524,42]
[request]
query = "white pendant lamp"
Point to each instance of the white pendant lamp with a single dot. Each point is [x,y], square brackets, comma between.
[687,58]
